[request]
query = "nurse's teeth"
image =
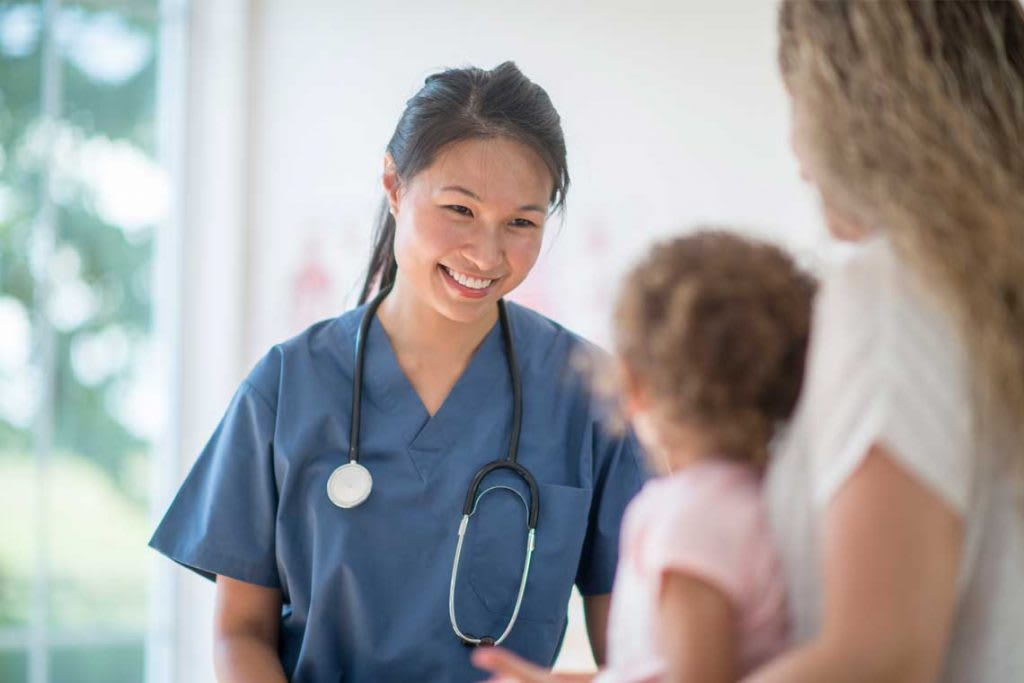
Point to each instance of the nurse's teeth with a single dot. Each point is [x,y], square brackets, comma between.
[466,281]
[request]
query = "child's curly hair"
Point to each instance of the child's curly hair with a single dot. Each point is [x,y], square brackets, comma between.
[714,327]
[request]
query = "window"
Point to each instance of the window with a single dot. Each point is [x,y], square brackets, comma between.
[81,196]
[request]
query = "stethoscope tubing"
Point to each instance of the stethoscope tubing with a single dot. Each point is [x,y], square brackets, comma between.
[357,379]
[510,462]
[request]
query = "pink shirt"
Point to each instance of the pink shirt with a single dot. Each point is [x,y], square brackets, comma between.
[707,520]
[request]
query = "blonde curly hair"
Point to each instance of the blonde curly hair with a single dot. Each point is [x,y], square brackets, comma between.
[914,125]
[713,328]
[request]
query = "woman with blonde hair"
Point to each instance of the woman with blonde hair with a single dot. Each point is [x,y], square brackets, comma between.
[896,494]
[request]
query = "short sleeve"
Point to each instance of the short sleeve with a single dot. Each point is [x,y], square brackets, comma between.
[222,520]
[709,528]
[618,475]
[887,367]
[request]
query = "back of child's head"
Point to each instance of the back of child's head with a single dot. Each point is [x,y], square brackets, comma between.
[713,329]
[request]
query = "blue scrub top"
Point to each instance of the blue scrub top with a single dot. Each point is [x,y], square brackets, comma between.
[365,589]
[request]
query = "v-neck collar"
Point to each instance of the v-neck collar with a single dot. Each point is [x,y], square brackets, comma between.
[387,387]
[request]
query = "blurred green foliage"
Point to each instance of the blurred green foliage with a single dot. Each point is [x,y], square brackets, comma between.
[99,306]
[113,262]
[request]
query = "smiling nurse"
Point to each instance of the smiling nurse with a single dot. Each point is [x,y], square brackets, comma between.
[424,472]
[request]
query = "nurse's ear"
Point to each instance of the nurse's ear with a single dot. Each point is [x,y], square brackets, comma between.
[392,183]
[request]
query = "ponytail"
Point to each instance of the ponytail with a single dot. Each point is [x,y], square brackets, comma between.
[382,268]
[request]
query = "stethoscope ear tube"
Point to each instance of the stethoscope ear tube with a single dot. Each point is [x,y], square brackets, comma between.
[517,386]
[357,380]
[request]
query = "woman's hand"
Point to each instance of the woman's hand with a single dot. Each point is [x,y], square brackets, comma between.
[510,668]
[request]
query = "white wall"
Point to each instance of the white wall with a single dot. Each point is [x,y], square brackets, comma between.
[673,113]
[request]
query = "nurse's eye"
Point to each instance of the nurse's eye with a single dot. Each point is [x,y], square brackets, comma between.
[461,210]
[523,223]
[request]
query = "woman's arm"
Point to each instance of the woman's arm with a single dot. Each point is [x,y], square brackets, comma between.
[245,632]
[891,557]
[595,611]
[695,631]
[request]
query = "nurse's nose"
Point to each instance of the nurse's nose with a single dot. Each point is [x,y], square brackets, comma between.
[486,250]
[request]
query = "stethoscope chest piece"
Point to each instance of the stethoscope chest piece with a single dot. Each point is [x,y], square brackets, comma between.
[349,485]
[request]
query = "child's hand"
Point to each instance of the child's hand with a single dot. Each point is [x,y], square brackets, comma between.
[510,668]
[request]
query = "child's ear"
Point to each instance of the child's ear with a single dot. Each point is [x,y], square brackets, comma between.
[635,398]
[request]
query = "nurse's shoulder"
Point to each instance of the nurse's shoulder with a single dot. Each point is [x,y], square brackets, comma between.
[547,345]
[319,357]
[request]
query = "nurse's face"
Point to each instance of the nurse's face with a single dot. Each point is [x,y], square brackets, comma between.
[469,227]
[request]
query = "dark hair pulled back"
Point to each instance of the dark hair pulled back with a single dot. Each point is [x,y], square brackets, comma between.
[463,104]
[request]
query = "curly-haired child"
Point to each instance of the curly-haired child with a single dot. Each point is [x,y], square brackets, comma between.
[711,331]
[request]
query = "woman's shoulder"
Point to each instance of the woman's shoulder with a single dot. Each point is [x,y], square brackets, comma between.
[887,364]
[873,299]
[872,281]
[853,281]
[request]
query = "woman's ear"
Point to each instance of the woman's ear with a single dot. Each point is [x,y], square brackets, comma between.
[392,183]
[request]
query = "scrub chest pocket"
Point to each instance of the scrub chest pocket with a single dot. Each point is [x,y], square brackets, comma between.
[496,545]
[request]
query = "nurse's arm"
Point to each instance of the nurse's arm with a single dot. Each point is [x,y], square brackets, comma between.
[595,610]
[245,633]
[891,555]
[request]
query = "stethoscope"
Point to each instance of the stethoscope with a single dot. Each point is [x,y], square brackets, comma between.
[350,484]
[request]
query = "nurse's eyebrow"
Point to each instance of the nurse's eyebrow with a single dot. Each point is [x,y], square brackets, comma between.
[469,193]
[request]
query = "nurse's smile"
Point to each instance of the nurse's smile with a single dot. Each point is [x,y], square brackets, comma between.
[464,284]
[469,227]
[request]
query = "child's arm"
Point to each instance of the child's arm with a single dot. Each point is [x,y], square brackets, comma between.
[696,631]
[246,623]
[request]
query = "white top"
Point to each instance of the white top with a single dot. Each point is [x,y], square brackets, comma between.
[887,365]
